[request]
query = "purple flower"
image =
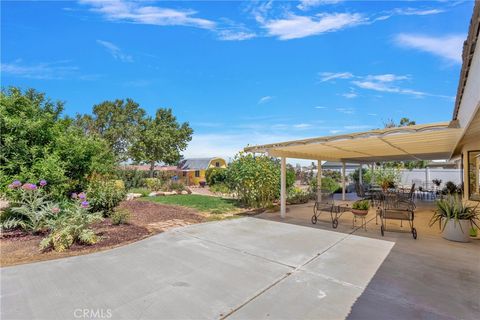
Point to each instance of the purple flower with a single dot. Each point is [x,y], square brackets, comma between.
[43,183]
[74,195]
[16,184]
[29,186]
[82,195]
[84,204]
[11,186]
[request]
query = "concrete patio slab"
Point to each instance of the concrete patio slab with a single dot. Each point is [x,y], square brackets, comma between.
[274,241]
[254,268]
[303,295]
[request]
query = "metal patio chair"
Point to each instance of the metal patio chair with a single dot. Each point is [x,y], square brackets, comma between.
[397,208]
[325,203]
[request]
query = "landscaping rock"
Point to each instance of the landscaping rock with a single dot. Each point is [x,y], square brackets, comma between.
[185,192]
[152,194]
[167,193]
[131,196]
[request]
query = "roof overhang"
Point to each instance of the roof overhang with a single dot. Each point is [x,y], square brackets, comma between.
[418,142]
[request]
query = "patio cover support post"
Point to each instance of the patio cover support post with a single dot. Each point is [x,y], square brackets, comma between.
[360,178]
[283,187]
[343,180]
[319,181]
[427,177]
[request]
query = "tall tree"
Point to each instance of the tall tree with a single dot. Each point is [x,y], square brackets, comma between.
[117,122]
[161,139]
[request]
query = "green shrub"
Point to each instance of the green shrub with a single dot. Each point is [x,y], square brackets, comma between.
[297,195]
[120,216]
[105,195]
[176,186]
[132,178]
[256,179]
[366,175]
[328,184]
[219,188]
[154,184]
[72,226]
[38,143]
[215,175]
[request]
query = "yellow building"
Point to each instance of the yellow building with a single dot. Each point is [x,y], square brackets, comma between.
[193,169]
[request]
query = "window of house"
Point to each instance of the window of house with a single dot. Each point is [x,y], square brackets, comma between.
[474,175]
[184,173]
[197,174]
[217,164]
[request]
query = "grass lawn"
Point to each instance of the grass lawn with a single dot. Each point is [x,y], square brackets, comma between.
[201,203]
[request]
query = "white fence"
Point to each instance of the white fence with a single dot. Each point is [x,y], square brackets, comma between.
[419,176]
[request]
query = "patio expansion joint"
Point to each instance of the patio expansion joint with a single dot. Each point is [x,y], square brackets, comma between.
[296,269]
[236,249]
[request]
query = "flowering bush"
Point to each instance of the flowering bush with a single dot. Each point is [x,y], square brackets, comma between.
[30,208]
[104,195]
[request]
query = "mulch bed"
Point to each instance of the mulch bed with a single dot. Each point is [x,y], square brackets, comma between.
[147,218]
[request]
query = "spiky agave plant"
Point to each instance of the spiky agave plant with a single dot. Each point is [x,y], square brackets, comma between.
[453,208]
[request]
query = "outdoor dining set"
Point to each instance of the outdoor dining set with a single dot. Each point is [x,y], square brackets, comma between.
[391,204]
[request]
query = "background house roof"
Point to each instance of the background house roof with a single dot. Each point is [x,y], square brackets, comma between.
[146,167]
[195,163]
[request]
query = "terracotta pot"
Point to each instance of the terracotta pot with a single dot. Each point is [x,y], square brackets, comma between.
[358,212]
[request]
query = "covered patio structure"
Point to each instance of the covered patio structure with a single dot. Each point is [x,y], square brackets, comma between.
[418,142]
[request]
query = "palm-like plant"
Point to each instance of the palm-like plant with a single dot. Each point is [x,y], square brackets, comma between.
[453,208]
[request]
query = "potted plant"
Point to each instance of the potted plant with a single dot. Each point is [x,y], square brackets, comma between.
[360,207]
[386,177]
[455,218]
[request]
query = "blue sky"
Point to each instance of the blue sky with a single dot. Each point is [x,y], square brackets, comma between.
[243,72]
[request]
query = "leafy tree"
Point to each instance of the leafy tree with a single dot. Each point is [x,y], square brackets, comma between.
[117,122]
[38,143]
[161,139]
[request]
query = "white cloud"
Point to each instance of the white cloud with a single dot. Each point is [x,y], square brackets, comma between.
[372,114]
[136,12]
[115,51]
[388,77]
[349,95]
[448,47]
[302,126]
[328,76]
[335,131]
[346,110]
[416,11]
[235,35]
[264,99]
[320,107]
[308,4]
[295,26]
[45,71]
